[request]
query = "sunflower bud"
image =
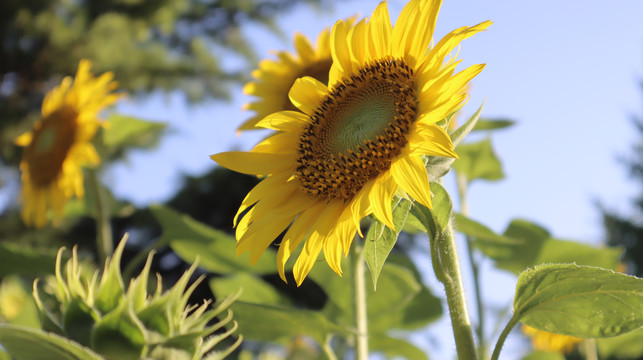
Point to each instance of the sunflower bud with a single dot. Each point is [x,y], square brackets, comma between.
[99,312]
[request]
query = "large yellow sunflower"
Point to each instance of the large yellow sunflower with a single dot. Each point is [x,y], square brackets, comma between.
[59,144]
[358,142]
[546,341]
[274,78]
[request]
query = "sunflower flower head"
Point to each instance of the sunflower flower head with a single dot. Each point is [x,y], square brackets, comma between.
[546,341]
[59,144]
[355,142]
[274,78]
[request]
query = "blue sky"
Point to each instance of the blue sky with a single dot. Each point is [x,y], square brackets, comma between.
[567,71]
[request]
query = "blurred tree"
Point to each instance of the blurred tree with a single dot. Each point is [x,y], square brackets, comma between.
[149,45]
[627,230]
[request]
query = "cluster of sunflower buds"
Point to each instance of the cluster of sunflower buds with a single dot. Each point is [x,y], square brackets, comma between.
[119,324]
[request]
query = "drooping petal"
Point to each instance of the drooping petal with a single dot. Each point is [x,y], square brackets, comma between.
[431,140]
[381,196]
[315,241]
[297,232]
[410,174]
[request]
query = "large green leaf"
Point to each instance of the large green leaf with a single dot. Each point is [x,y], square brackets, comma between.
[25,260]
[478,161]
[124,131]
[215,249]
[626,346]
[525,244]
[254,289]
[393,347]
[380,239]
[31,344]
[581,301]
[272,323]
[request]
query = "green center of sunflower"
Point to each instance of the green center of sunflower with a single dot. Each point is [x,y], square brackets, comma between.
[357,130]
[50,145]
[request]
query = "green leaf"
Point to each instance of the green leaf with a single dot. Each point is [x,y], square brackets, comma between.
[119,335]
[215,249]
[478,161]
[435,220]
[255,290]
[525,244]
[579,301]
[393,348]
[271,323]
[24,260]
[437,166]
[125,131]
[493,124]
[380,239]
[544,355]
[460,133]
[480,232]
[32,344]
[111,289]
[626,346]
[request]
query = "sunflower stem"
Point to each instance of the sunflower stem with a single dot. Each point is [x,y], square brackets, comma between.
[328,349]
[359,282]
[503,336]
[590,349]
[462,331]
[464,210]
[104,241]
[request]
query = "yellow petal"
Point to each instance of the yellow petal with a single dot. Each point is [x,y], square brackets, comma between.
[402,29]
[410,174]
[357,43]
[304,48]
[306,94]
[298,230]
[285,142]
[292,121]
[340,50]
[265,186]
[381,196]
[255,163]
[431,140]
[315,241]
[24,139]
[379,32]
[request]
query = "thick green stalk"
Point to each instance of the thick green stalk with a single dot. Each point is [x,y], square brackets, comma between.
[359,289]
[464,210]
[104,242]
[462,331]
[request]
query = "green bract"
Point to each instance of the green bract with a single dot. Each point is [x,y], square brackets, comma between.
[99,312]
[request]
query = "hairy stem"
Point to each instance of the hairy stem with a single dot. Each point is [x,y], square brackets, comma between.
[359,288]
[455,296]
[464,210]
[104,242]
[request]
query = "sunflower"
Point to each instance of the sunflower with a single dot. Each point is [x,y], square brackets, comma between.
[546,341]
[355,144]
[274,78]
[59,144]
